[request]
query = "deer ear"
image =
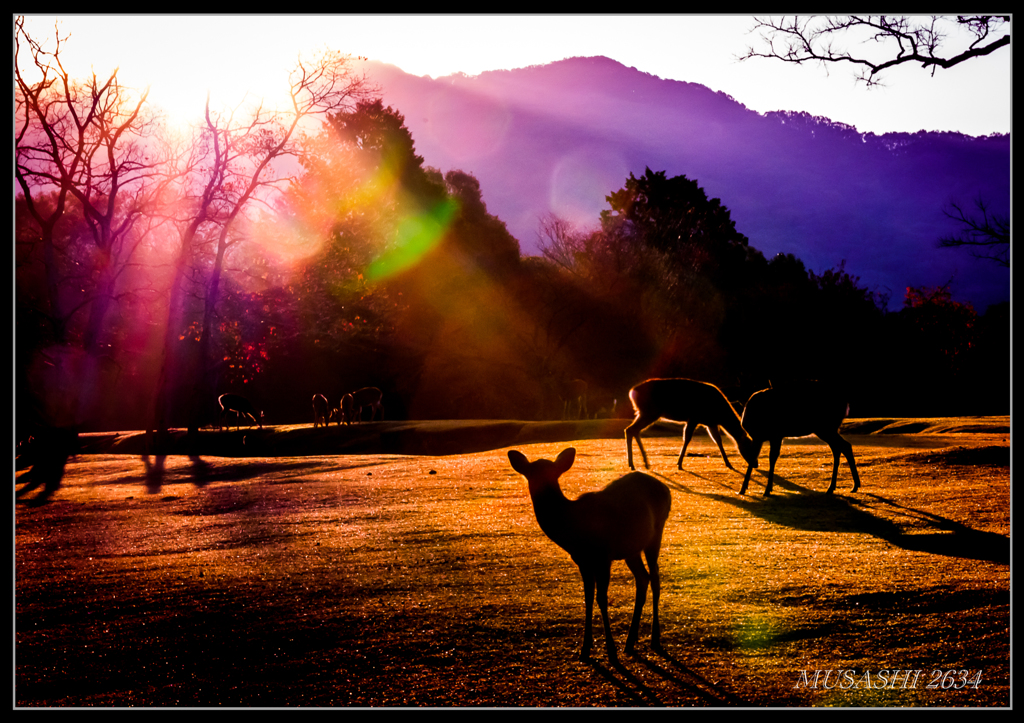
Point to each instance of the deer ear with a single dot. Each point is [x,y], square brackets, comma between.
[565,459]
[518,460]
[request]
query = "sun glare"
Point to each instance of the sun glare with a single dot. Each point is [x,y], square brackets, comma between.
[207,55]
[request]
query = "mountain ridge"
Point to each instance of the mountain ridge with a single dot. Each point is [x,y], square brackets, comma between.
[558,138]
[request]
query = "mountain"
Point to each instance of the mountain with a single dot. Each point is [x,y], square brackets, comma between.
[560,137]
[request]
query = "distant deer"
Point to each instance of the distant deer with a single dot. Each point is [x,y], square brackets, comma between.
[573,395]
[320,410]
[797,410]
[241,406]
[344,412]
[619,522]
[357,400]
[693,403]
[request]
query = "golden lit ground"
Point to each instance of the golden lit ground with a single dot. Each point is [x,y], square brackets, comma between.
[389,580]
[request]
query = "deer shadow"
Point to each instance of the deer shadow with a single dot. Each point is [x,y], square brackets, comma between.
[821,512]
[201,473]
[670,669]
[628,684]
[45,455]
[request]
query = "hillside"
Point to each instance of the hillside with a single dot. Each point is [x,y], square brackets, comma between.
[560,137]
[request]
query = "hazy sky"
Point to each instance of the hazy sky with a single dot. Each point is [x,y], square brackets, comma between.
[181,56]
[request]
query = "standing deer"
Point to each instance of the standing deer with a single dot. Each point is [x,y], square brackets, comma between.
[693,403]
[619,522]
[573,395]
[357,400]
[241,406]
[320,410]
[797,410]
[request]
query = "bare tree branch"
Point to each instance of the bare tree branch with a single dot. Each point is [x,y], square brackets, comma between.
[891,41]
[987,236]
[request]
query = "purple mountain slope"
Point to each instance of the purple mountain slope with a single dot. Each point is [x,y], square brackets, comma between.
[558,138]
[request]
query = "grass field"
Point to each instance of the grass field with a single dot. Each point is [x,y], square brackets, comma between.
[311,578]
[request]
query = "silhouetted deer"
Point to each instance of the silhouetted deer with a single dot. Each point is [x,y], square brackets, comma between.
[344,412]
[797,410]
[320,410]
[573,395]
[619,522]
[352,404]
[241,407]
[693,403]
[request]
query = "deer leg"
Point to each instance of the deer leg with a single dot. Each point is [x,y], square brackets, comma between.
[688,430]
[636,565]
[840,446]
[746,479]
[588,596]
[603,573]
[775,447]
[853,466]
[633,432]
[652,563]
[716,435]
[835,468]
[847,451]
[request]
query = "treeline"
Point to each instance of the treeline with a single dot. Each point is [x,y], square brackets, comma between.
[186,268]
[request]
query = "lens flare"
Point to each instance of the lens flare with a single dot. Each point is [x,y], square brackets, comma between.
[415,236]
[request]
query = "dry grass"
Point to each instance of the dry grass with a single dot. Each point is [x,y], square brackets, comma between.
[389,580]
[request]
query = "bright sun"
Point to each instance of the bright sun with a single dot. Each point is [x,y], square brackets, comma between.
[204,57]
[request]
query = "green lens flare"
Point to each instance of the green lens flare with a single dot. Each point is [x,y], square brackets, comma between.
[416,235]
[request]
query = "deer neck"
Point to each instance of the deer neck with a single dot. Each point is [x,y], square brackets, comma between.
[551,508]
[734,426]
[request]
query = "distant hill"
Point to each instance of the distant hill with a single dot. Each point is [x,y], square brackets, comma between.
[560,137]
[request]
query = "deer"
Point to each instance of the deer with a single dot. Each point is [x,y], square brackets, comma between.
[357,400]
[343,413]
[619,522]
[693,403]
[797,410]
[573,394]
[320,410]
[241,406]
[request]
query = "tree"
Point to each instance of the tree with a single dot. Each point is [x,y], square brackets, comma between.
[935,343]
[670,214]
[897,39]
[88,142]
[241,151]
[986,236]
[82,145]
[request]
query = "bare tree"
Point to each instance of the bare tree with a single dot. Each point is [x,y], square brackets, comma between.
[243,150]
[892,40]
[985,234]
[85,144]
[560,240]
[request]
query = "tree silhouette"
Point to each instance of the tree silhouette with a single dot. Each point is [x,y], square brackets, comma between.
[899,40]
[669,214]
[985,234]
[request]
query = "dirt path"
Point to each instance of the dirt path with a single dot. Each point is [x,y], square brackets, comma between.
[390,580]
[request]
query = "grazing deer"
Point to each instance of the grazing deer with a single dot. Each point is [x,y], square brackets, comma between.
[797,410]
[619,522]
[320,410]
[241,406]
[357,400]
[573,394]
[344,412]
[693,403]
